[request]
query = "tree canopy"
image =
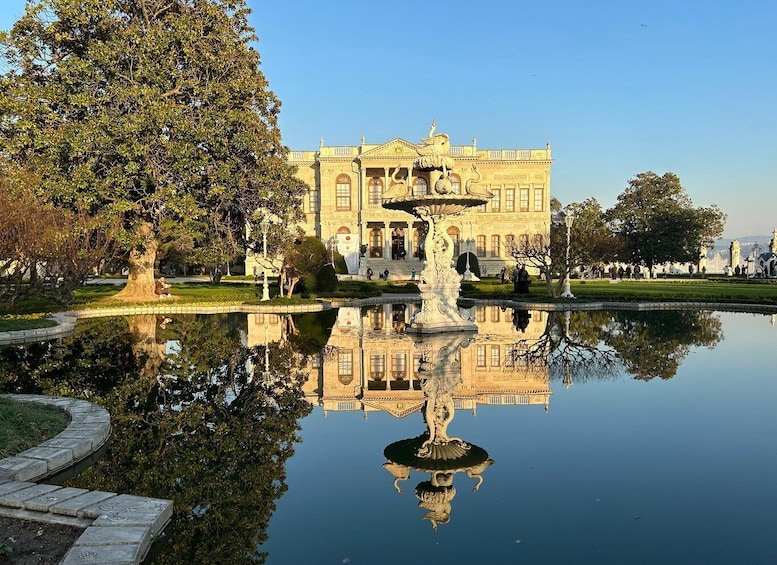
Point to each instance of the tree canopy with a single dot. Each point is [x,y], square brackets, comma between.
[657,222]
[145,110]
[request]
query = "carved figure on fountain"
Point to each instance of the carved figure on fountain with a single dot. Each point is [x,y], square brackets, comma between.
[399,188]
[473,188]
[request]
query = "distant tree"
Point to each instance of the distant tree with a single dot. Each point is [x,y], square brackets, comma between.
[657,222]
[145,111]
[592,241]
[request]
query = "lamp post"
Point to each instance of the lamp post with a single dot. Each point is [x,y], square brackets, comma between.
[569,219]
[265,224]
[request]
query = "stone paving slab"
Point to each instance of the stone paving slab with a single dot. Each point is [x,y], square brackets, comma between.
[75,506]
[13,486]
[127,554]
[45,502]
[17,498]
[55,458]
[129,510]
[118,535]
[79,447]
[24,469]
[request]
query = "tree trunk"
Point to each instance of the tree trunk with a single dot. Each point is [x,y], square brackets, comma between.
[148,353]
[140,282]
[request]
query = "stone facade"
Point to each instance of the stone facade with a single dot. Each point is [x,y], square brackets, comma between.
[347,183]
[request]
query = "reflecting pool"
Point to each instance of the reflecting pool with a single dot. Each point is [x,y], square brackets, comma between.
[544,437]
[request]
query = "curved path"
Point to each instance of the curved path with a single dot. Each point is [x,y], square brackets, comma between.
[119,528]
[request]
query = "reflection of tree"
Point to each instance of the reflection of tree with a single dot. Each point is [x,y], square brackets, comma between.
[567,348]
[595,345]
[654,344]
[199,432]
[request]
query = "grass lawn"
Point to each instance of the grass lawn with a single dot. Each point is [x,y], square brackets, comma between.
[24,425]
[657,290]
[13,323]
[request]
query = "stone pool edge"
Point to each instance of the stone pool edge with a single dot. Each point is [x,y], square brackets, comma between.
[119,528]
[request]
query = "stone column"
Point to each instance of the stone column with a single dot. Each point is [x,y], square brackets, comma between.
[386,240]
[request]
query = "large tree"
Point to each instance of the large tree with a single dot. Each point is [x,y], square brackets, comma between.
[145,110]
[657,222]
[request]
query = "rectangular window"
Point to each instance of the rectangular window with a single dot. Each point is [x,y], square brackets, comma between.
[313,201]
[509,242]
[398,366]
[494,246]
[523,241]
[539,194]
[345,363]
[494,313]
[480,246]
[377,367]
[344,196]
[495,200]
[524,200]
[480,313]
[495,356]
[481,356]
[510,200]
[376,192]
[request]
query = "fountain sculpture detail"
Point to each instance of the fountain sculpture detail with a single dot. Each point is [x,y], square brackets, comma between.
[440,283]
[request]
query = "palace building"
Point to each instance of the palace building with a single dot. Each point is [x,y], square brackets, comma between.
[347,183]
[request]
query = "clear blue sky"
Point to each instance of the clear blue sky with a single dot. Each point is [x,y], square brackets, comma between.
[617,86]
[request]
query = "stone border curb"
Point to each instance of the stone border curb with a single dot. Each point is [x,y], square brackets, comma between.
[119,528]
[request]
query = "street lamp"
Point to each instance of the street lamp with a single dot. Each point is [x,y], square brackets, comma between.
[569,219]
[265,225]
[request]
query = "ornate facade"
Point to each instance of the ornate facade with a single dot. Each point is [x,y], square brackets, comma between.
[347,186]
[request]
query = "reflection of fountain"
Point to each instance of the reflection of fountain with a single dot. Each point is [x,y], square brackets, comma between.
[440,283]
[435,452]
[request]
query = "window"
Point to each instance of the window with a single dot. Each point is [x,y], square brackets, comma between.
[313,201]
[538,241]
[343,192]
[453,232]
[494,246]
[345,363]
[495,356]
[481,356]
[509,242]
[376,242]
[480,246]
[510,200]
[398,365]
[480,313]
[419,187]
[539,194]
[494,313]
[376,318]
[375,189]
[377,367]
[495,200]
[524,241]
[455,183]
[524,200]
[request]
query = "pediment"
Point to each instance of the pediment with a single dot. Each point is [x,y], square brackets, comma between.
[399,408]
[397,147]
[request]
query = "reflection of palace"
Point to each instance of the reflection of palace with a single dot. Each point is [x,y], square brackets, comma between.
[348,184]
[370,364]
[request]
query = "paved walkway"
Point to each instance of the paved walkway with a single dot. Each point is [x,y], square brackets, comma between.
[119,528]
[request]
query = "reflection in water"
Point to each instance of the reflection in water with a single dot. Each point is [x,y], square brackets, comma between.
[192,422]
[435,452]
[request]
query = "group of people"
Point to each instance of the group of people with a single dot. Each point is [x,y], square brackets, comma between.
[162,288]
[382,276]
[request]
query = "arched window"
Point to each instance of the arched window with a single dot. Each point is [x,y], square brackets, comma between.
[420,187]
[375,189]
[509,242]
[523,242]
[538,241]
[454,233]
[343,194]
[494,246]
[455,183]
[480,246]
